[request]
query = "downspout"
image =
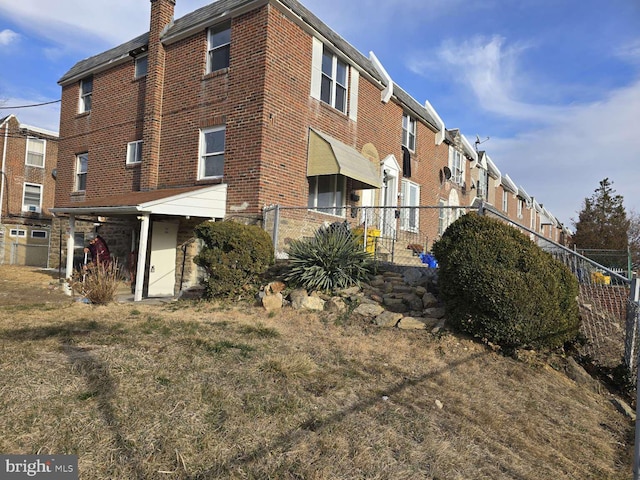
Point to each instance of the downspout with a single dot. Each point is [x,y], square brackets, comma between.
[4,161]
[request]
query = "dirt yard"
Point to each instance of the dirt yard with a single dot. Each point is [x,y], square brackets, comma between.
[30,286]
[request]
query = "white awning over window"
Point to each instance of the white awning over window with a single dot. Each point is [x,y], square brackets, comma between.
[328,156]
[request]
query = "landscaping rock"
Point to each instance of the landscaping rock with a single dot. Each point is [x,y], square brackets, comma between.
[368,310]
[411,323]
[309,303]
[387,319]
[434,312]
[429,300]
[335,305]
[272,302]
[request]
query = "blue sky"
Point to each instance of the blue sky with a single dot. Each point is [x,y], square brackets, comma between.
[554,84]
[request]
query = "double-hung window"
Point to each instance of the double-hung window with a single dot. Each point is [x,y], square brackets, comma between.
[456,164]
[219,47]
[36,148]
[442,217]
[134,152]
[410,202]
[505,201]
[333,89]
[86,92]
[32,198]
[327,194]
[483,184]
[519,211]
[409,132]
[211,153]
[141,65]
[82,160]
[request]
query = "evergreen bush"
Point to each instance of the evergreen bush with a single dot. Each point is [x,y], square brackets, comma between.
[333,259]
[498,285]
[234,255]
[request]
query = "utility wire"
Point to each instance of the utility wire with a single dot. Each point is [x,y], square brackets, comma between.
[32,105]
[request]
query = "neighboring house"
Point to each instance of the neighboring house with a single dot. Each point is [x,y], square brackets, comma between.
[234,107]
[27,187]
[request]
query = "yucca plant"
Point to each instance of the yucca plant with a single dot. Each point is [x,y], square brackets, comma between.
[331,260]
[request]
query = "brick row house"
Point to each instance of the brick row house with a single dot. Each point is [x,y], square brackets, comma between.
[27,189]
[240,105]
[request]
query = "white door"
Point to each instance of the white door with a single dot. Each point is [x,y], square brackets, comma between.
[162,264]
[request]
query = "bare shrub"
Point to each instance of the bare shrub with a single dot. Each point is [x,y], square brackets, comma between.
[99,283]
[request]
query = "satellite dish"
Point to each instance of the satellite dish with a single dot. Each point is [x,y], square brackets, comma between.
[54,173]
[447,173]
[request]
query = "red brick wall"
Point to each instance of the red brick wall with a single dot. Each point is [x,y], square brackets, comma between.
[17,172]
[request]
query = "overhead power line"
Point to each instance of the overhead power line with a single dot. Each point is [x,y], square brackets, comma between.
[28,106]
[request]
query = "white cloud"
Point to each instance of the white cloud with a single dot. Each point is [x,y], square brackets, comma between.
[7,37]
[562,163]
[45,116]
[630,51]
[490,69]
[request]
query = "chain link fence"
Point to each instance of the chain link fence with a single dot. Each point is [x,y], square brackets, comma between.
[397,235]
[608,303]
[608,300]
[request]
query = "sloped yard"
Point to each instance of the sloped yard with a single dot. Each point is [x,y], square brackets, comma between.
[193,391]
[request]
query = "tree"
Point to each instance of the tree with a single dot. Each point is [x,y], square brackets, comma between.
[603,223]
[634,239]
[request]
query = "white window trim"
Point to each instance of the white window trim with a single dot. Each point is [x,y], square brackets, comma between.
[134,152]
[519,211]
[17,233]
[407,187]
[82,104]
[202,152]
[32,208]
[505,201]
[352,81]
[217,28]
[135,65]
[46,234]
[77,173]
[44,151]
[409,133]
[326,210]
[456,167]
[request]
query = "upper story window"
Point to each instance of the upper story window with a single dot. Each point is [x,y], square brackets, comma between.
[211,153]
[333,81]
[141,65]
[333,89]
[86,91]
[219,47]
[134,152]
[456,164]
[409,132]
[483,184]
[82,161]
[327,194]
[32,198]
[36,148]
[519,207]
[505,201]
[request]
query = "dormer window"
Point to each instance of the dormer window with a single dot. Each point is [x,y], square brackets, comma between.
[456,164]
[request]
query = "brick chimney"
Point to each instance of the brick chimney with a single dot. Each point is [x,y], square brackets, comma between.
[161,16]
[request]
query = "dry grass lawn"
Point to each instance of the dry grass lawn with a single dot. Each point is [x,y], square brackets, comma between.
[194,391]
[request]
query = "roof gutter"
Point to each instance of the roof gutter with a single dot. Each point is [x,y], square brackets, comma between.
[386,94]
[440,124]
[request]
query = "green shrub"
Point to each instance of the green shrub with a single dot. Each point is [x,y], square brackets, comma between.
[331,260]
[99,283]
[234,255]
[498,285]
